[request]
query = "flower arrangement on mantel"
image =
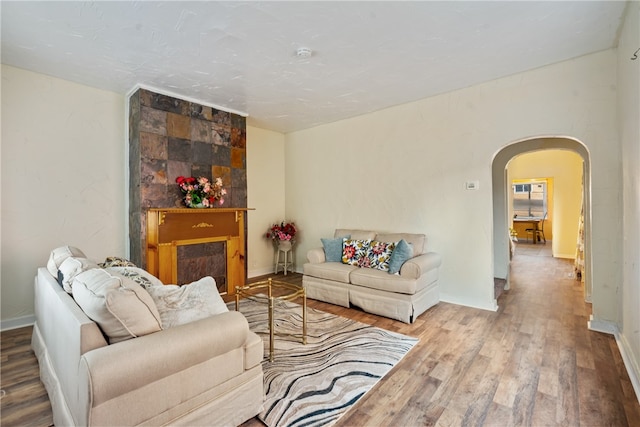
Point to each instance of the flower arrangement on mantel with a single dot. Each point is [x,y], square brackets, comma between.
[200,192]
[285,231]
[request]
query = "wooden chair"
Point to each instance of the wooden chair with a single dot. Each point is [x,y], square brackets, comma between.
[537,232]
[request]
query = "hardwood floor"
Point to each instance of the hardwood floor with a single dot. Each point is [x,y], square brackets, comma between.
[532,363]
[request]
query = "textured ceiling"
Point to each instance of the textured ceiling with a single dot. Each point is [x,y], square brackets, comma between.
[241,55]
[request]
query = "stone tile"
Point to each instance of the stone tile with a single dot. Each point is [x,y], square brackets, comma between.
[179,149]
[238,197]
[153,172]
[153,121]
[175,196]
[201,249]
[222,118]
[237,158]
[221,156]
[201,170]
[223,173]
[238,177]
[134,147]
[154,196]
[237,121]
[135,229]
[145,97]
[238,138]
[228,202]
[199,260]
[221,134]
[178,126]
[200,130]
[164,102]
[134,111]
[202,153]
[176,169]
[201,112]
[153,146]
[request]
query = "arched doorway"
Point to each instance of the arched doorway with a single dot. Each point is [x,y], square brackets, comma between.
[500,198]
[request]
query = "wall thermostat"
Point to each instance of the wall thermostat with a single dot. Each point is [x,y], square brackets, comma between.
[472,185]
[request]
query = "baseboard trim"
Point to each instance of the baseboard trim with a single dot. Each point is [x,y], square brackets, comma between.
[629,363]
[565,256]
[602,326]
[491,306]
[623,346]
[265,271]
[17,322]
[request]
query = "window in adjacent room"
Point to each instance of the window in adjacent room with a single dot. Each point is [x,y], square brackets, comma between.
[530,198]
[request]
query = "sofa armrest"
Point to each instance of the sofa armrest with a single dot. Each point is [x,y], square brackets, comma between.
[417,266]
[316,256]
[114,370]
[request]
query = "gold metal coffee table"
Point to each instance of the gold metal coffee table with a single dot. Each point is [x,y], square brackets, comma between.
[276,290]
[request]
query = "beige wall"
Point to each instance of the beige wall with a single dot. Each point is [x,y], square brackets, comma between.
[265,185]
[404,169]
[629,122]
[565,170]
[62,178]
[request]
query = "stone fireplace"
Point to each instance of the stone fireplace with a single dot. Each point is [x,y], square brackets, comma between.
[171,137]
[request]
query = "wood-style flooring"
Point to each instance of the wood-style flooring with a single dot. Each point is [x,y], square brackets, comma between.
[531,363]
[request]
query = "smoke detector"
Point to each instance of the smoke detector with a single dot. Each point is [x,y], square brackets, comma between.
[304,52]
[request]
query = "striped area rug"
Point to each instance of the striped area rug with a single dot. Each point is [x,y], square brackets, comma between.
[314,384]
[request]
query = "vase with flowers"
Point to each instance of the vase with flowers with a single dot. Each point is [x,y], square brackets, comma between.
[282,234]
[200,192]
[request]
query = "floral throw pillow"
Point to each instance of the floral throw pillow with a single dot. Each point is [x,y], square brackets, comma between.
[354,252]
[116,261]
[379,254]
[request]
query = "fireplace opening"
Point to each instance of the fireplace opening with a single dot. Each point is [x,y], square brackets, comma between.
[204,259]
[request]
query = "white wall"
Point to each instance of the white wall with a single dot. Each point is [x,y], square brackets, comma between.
[565,167]
[629,118]
[265,186]
[404,169]
[62,178]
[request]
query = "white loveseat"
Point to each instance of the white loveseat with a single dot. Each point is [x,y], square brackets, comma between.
[204,372]
[402,296]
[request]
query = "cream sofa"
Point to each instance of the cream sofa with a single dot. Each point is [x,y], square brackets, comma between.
[402,296]
[205,372]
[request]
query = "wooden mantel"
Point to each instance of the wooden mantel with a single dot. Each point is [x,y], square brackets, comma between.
[168,228]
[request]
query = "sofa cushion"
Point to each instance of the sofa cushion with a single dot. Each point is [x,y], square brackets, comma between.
[58,255]
[333,249]
[355,234]
[121,307]
[382,280]
[71,267]
[379,254]
[402,252]
[354,252]
[330,271]
[417,240]
[178,305]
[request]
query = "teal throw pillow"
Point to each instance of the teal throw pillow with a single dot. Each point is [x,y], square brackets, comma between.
[333,249]
[401,253]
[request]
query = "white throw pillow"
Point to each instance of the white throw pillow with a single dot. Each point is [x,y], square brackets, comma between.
[121,307]
[58,255]
[71,267]
[184,304]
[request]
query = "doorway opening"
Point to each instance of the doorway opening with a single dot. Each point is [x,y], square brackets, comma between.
[503,211]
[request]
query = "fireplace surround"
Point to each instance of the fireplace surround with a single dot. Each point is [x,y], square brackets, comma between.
[171,137]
